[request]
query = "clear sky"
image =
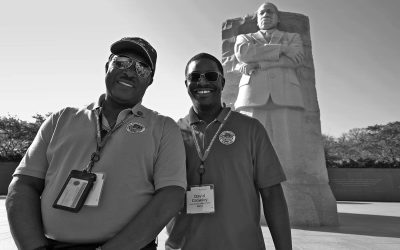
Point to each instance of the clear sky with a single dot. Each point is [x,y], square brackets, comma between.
[53,52]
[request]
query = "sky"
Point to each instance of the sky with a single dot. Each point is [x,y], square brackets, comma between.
[53,53]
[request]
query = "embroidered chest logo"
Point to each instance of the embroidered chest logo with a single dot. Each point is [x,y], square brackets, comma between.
[227,137]
[135,127]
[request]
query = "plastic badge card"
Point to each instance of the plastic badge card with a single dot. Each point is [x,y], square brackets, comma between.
[75,191]
[200,199]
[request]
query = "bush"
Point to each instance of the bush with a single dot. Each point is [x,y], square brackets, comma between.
[16,136]
[362,163]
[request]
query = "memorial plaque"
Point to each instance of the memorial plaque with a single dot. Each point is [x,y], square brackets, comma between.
[371,184]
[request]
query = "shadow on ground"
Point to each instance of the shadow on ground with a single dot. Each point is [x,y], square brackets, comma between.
[363,224]
[353,202]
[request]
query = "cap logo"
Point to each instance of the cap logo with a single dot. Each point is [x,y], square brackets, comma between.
[135,127]
[145,47]
[140,42]
[227,137]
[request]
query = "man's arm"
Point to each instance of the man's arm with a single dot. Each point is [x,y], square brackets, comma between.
[250,68]
[24,211]
[294,50]
[149,221]
[284,62]
[247,50]
[277,216]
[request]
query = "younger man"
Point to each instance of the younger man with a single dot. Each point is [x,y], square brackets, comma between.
[230,162]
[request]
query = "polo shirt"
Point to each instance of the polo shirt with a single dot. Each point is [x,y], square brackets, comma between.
[241,161]
[136,163]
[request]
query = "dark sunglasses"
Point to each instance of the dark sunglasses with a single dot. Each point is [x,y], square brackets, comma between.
[124,62]
[210,76]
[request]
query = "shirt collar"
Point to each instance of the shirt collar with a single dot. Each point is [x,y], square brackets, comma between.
[193,118]
[268,32]
[138,109]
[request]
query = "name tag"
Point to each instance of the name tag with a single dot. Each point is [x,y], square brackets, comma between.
[200,200]
[94,196]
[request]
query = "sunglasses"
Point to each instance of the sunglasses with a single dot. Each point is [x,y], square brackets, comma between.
[210,76]
[125,62]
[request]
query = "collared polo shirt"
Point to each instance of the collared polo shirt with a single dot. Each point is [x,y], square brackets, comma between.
[241,161]
[136,163]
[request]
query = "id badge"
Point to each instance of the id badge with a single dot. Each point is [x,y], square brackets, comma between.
[200,200]
[94,196]
[75,191]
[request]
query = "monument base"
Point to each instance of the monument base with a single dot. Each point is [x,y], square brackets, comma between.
[310,204]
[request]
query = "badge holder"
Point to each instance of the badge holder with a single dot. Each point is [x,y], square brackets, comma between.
[200,200]
[75,191]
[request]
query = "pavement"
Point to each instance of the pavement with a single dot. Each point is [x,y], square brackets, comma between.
[362,225]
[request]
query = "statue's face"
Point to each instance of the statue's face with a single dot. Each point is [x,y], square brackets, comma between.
[267,16]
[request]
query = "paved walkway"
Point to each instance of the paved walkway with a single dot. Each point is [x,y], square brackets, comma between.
[363,225]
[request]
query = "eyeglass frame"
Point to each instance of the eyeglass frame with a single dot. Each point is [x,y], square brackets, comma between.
[136,61]
[203,75]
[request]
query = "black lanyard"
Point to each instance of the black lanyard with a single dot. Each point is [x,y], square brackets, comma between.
[201,170]
[101,142]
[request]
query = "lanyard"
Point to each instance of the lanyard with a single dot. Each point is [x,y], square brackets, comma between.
[95,157]
[204,156]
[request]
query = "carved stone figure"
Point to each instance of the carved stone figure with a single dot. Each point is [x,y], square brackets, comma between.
[269,89]
[277,87]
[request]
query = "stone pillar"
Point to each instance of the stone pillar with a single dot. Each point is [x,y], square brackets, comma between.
[308,194]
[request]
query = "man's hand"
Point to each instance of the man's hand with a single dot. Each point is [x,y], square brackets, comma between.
[293,53]
[172,244]
[248,69]
[167,247]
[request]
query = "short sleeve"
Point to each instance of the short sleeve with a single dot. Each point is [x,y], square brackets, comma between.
[268,169]
[35,163]
[170,168]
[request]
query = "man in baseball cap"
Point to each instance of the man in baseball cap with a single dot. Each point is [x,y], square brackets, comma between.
[106,176]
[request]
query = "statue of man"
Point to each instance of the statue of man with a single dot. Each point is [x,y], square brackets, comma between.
[269,89]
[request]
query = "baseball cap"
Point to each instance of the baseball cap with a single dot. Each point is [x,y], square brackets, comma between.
[138,45]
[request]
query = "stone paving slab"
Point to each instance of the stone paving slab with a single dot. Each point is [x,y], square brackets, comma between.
[363,226]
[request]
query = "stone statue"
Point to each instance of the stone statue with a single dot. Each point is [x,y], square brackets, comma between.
[269,89]
[277,87]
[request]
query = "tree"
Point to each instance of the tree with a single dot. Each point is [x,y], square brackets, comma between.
[374,146]
[17,135]
[331,150]
[384,141]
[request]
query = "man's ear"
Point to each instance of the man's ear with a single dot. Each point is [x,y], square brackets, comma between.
[186,83]
[223,83]
[150,80]
[107,63]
